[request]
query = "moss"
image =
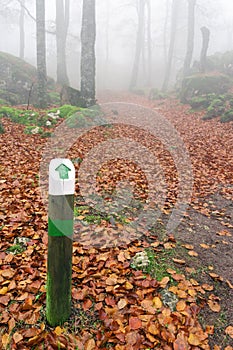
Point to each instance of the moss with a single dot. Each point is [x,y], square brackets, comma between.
[216,109]
[2,130]
[227,116]
[54,97]
[9,97]
[65,111]
[202,84]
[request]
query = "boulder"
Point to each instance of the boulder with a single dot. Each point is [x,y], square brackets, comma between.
[18,80]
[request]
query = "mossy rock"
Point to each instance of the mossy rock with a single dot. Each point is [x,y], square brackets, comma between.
[17,79]
[202,84]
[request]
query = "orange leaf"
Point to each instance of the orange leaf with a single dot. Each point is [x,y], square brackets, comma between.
[229,284]
[3,290]
[122,303]
[194,340]
[153,329]
[179,261]
[58,330]
[163,283]
[87,304]
[181,305]
[90,344]
[214,306]
[192,253]
[157,303]
[229,331]
[135,323]
[17,337]
[224,233]
[5,339]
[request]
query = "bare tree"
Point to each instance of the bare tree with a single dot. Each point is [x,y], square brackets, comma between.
[149,51]
[21,29]
[175,8]
[88,61]
[139,44]
[41,54]
[205,45]
[190,38]
[62,24]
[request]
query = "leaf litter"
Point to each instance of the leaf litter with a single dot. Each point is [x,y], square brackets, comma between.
[113,304]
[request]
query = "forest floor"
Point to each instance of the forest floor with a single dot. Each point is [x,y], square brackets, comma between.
[183,299]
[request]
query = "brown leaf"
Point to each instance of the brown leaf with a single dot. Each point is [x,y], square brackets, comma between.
[229,284]
[181,305]
[153,329]
[163,283]
[87,304]
[179,261]
[90,344]
[135,323]
[194,340]
[224,233]
[229,331]
[214,306]
[157,303]
[111,280]
[17,337]
[122,303]
[193,253]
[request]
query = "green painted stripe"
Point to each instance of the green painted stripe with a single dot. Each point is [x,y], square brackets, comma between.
[60,228]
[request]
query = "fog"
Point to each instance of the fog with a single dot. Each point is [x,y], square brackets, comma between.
[116,37]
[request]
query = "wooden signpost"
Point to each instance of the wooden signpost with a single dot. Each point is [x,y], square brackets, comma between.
[60,239]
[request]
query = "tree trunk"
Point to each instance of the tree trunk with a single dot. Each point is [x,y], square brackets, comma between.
[165,33]
[139,44]
[88,36]
[41,54]
[205,45]
[149,42]
[62,23]
[175,7]
[190,39]
[21,30]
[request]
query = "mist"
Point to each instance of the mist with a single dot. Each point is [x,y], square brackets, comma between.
[116,25]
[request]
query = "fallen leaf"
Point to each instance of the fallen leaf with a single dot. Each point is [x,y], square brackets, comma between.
[3,290]
[122,303]
[90,344]
[193,339]
[181,305]
[214,306]
[179,261]
[157,303]
[229,331]
[193,253]
[224,233]
[135,323]
[58,330]
[229,284]
[17,337]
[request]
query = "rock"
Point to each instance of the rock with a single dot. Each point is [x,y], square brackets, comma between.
[18,80]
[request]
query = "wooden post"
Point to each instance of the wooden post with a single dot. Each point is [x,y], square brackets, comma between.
[60,239]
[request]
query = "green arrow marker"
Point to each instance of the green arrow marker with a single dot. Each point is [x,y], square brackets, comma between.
[63,171]
[60,231]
